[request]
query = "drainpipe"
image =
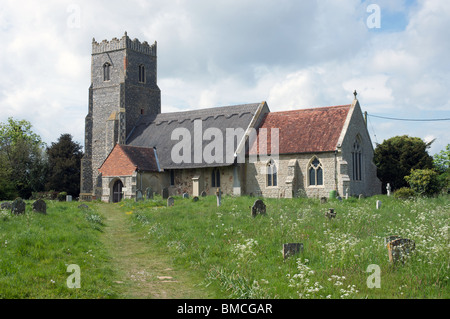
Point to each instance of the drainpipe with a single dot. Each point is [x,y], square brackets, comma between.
[335,170]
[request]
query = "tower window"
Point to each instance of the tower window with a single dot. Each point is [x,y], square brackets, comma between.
[272,174]
[315,173]
[142,74]
[106,71]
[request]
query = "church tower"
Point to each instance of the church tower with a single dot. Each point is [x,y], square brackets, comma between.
[123,88]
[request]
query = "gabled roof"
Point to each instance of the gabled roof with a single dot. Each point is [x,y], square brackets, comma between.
[304,131]
[124,160]
[156,131]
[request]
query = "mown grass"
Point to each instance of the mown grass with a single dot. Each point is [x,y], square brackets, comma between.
[36,250]
[241,256]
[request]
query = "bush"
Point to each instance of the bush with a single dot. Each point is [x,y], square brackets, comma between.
[62,196]
[424,181]
[404,193]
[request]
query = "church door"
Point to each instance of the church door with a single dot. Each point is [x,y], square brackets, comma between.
[117,191]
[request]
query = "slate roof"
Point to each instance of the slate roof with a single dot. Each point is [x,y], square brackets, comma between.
[124,160]
[306,130]
[156,131]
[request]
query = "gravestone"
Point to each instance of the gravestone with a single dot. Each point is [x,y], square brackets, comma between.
[323,200]
[292,249]
[330,213]
[399,249]
[388,239]
[170,201]
[6,205]
[388,189]
[339,198]
[258,208]
[346,193]
[83,206]
[149,193]
[203,194]
[165,193]
[18,206]
[219,197]
[195,199]
[40,206]
[68,198]
[361,196]
[185,195]
[139,195]
[378,204]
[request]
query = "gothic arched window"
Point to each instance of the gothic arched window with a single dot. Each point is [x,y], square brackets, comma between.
[106,71]
[357,160]
[315,173]
[272,173]
[142,74]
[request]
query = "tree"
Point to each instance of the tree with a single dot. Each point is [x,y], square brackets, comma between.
[64,159]
[396,157]
[441,163]
[423,181]
[23,162]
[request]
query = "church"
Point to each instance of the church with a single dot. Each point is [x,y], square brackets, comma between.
[130,146]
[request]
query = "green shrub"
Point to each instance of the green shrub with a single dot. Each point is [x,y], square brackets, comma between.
[404,193]
[62,196]
[423,181]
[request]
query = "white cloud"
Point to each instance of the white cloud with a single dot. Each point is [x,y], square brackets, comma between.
[294,54]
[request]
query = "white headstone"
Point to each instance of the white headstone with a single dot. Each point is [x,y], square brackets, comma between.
[68,198]
[378,204]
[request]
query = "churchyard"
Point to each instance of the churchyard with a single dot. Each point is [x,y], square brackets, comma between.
[376,247]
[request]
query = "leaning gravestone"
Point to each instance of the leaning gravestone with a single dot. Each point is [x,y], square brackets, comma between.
[399,249]
[170,201]
[185,195]
[292,249]
[330,213]
[18,206]
[203,194]
[165,193]
[258,208]
[149,193]
[40,206]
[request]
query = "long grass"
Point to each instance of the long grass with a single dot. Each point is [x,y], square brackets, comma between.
[241,256]
[36,250]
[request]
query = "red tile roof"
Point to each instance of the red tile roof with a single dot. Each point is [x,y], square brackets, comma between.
[124,160]
[304,131]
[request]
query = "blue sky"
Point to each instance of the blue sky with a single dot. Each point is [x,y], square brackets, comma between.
[292,54]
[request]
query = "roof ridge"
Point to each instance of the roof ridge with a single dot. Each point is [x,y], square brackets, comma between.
[318,108]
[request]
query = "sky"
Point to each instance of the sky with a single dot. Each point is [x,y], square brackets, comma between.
[292,54]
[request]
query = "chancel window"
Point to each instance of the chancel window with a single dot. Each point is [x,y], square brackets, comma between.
[215,178]
[106,71]
[357,161]
[272,179]
[315,173]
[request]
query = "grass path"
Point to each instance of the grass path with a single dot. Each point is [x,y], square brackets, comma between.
[143,272]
